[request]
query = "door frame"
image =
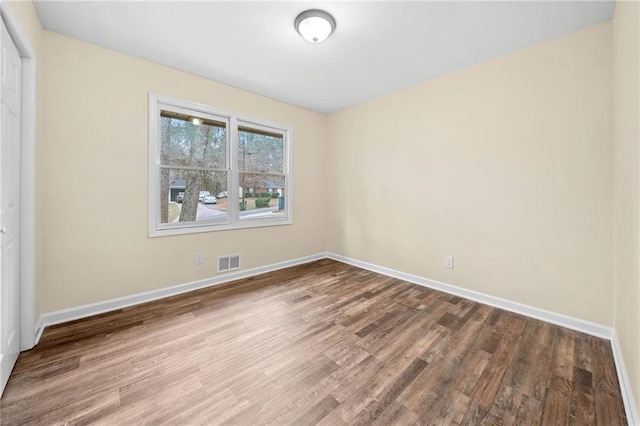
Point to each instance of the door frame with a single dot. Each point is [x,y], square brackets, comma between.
[27,178]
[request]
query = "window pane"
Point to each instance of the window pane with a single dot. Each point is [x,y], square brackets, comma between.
[261,196]
[192,195]
[260,151]
[191,148]
[183,143]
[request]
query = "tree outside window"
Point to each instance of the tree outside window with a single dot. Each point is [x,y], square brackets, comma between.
[192,175]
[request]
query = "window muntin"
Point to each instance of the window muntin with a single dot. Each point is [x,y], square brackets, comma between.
[195,149]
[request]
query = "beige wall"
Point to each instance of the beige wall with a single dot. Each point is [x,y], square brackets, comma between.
[626,185]
[505,165]
[28,21]
[93,180]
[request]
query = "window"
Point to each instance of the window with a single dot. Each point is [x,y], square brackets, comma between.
[210,170]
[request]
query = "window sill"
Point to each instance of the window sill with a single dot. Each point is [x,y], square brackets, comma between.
[196,229]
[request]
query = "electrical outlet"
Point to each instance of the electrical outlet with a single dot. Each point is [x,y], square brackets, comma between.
[448,262]
[199,258]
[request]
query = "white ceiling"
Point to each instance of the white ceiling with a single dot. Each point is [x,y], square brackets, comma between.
[377,48]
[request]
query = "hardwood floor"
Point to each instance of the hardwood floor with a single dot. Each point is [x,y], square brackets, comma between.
[321,343]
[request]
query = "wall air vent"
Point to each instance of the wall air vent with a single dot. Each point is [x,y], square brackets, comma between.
[228,263]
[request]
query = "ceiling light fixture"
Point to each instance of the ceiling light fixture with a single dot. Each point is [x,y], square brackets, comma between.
[315,25]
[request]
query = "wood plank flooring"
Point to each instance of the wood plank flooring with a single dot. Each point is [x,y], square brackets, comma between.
[321,343]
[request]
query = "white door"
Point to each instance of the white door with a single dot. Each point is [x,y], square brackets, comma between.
[10,73]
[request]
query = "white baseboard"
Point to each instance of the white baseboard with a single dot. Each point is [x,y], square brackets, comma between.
[625,386]
[583,326]
[84,311]
[508,305]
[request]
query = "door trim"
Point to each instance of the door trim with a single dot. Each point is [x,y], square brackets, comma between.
[27,178]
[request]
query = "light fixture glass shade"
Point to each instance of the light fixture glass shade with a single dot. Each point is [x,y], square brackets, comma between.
[315,25]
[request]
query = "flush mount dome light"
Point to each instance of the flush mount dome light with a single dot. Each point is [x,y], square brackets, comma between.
[315,25]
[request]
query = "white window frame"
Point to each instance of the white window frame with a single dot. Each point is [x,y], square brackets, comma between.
[156,229]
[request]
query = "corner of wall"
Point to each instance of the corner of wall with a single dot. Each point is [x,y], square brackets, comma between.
[626,192]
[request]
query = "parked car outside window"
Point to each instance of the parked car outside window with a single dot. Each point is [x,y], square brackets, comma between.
[209,199]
